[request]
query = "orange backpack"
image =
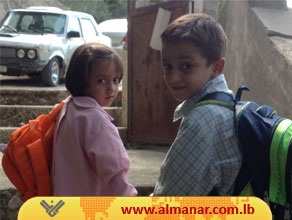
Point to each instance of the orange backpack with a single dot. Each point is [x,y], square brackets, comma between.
[27,158]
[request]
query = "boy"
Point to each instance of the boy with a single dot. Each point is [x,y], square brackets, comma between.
[204,158]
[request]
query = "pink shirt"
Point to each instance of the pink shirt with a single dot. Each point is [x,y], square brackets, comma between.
[89,158]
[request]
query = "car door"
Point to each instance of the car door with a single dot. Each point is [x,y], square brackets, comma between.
[72,39]
[91,33]
[88,30]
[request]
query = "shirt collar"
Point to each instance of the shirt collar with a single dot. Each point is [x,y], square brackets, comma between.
[217,84]
[88,102]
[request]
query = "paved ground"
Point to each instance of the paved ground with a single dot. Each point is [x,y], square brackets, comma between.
[144,167]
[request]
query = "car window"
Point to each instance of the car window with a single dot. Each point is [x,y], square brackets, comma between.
[37,23]
[24,22]
[74,24]
[34,23]
[88,28]
[54,23]
[9,23]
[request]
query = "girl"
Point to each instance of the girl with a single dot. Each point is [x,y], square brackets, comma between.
[89,158]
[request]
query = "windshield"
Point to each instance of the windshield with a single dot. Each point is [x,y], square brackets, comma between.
[33,23]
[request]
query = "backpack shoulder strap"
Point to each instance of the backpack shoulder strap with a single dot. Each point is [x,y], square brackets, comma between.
[218,98]
[225,99]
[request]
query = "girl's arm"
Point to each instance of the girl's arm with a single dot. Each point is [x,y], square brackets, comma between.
[109,158]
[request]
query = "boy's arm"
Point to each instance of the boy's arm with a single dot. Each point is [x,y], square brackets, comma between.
[204,155]
[189,168]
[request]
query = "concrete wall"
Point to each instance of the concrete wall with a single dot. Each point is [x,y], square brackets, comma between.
[257,60]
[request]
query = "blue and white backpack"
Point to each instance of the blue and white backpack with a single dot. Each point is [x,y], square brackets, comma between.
[265,139]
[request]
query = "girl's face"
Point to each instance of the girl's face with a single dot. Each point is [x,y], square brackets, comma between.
[185,69]
[103,82]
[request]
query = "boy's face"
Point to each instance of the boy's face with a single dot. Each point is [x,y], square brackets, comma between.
[185,69]
[103,82]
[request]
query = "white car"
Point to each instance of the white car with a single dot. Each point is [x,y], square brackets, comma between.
[39,41]
[116,29]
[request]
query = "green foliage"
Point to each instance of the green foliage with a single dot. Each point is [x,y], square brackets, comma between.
[221,5]
[118,8]
[100,9]
[156,1]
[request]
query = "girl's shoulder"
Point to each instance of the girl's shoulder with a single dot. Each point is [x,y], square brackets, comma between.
[88,109]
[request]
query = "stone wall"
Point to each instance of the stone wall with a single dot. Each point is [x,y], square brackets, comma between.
[257,60]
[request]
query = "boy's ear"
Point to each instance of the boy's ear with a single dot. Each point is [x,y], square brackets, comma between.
[218,67]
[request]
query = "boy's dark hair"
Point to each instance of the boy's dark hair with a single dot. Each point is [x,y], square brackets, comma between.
[200,29]
[81,63]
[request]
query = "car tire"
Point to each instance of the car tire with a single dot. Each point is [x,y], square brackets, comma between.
[51,73]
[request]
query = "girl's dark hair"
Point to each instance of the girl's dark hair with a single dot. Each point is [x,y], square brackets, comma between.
[200,29]
[81,63]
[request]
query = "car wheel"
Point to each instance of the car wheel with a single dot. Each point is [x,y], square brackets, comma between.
[51,73]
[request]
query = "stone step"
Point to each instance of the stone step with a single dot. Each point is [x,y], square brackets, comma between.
[32,96]
[14,115]
[5,133]
[39,96]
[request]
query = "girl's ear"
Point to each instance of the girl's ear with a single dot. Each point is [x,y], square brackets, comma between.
[218,67]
